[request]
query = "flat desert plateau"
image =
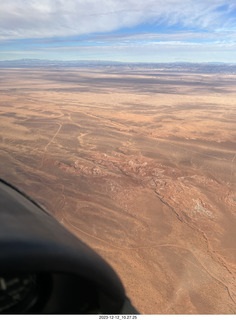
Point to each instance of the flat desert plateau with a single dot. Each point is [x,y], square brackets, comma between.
[139,164]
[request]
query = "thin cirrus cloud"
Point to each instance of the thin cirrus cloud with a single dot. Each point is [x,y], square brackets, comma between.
[57,18]
[41,27]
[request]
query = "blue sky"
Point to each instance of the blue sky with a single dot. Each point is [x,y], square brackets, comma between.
[120,30]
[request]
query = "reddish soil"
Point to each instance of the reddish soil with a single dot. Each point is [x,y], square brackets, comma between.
[141,169]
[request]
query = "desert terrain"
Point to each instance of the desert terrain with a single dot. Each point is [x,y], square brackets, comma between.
[139,164]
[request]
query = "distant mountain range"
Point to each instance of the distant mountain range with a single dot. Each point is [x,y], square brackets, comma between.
[216,67]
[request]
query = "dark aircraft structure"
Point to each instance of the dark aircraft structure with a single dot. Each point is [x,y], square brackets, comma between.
[44,269]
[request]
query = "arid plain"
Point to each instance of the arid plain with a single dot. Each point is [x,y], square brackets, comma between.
[139,164]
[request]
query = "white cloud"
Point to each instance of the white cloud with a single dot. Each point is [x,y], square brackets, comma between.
[163,51]
[60,18]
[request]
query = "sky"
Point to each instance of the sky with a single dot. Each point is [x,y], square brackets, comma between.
[119,30]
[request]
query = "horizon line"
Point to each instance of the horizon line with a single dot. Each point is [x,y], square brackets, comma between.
[117,61]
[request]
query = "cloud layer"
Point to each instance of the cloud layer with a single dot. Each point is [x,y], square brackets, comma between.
[124,30]
[22,19]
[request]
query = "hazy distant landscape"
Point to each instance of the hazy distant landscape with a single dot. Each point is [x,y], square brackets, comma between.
[139,162]
[117,66]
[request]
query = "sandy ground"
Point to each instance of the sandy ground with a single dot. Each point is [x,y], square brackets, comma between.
[138,164]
